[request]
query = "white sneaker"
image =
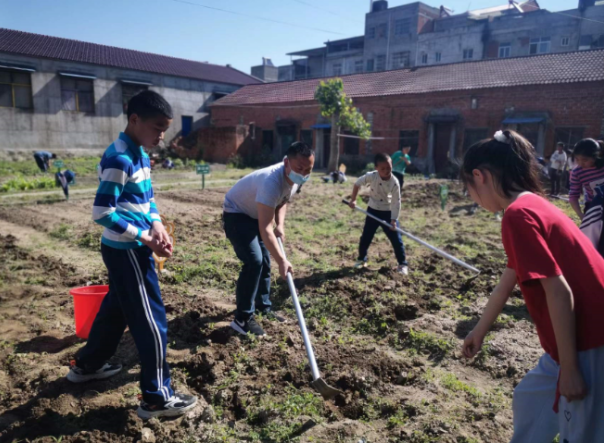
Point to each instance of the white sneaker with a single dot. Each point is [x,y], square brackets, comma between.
[360,264]
[78,375]
[403,269]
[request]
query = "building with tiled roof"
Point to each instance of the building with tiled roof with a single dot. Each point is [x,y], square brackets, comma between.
[438,110]
[60,94]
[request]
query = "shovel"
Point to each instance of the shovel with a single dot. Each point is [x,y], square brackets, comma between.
[418,240]
[318,383]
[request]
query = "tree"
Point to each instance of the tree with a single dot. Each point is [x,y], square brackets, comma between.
[339,108]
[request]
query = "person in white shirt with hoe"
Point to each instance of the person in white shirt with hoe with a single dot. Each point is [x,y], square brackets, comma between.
[384,203]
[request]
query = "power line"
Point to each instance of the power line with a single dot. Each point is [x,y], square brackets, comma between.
[257,17]
[325,10]
[577,17]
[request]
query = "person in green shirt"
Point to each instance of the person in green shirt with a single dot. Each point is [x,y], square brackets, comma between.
[400,161]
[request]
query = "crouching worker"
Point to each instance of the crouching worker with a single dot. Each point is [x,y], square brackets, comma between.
[125,206]
[251,208]
[385,204]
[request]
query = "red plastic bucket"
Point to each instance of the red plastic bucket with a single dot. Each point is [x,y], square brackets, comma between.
[86,304]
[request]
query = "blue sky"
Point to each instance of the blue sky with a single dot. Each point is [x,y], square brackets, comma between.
[180,29]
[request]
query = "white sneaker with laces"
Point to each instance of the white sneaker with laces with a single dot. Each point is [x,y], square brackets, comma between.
[78,375]
[360,264]
[403,269]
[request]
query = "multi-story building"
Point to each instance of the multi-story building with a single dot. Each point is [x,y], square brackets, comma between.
[62,94]
[417,34]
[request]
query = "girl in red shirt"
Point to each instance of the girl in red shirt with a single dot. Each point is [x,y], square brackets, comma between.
[561,276]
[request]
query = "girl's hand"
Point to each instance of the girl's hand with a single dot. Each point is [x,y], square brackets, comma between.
[393,225]
[571,384]
[472,344]
[352,204]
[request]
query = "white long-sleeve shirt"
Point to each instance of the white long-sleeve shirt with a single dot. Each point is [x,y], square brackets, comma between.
[385,194]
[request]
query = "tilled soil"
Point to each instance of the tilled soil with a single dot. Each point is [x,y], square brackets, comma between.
[390,343]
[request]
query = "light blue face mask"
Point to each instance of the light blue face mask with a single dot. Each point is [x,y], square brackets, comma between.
[298,178]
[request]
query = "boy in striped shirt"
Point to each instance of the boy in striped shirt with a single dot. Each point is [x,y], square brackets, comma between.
[125,206]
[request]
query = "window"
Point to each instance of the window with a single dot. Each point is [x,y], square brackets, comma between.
[383,30]
[409,138]
[570,136]
[77,94]
[565,41]
[358,66]
[371,33]
[15,89]
[539,45]
[337,69]
[129,90]
[381,63]
[471,136]
[400,59]
[505,50]
[468,54]
[402,26]
[306,137]
[438,56]
[351,145]
[370,65]
[424,59]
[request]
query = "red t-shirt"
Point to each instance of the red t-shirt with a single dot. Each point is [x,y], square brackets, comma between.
[542,242]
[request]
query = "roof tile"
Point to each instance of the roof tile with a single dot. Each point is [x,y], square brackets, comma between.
[568,67]
[37,45]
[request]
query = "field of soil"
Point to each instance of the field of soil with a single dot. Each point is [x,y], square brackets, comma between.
[390,343]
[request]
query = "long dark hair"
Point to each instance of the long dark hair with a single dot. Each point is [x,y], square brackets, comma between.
[591,148]
[511,163]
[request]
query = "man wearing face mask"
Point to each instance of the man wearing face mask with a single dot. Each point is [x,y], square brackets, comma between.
[254,216]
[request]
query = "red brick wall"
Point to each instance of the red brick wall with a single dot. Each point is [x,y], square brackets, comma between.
[570,105]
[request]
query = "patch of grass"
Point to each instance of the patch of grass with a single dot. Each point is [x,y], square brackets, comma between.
[62,232]
[425,342]
[450,382]
[81,165]
[90,241]
[21,183]
[276,419]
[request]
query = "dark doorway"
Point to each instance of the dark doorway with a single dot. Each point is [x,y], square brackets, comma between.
[187,125]
[442,145]
[267,140]
[287,136]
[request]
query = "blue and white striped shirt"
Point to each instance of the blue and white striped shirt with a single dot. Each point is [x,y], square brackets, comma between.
[124,202]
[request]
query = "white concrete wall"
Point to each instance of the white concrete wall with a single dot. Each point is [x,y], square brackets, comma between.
[47,126]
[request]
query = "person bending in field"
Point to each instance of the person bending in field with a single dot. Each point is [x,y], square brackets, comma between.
[385,204]
[561,276]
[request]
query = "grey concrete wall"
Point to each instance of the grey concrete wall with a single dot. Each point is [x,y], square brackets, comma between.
[451,43]
[47,126]
[518,31]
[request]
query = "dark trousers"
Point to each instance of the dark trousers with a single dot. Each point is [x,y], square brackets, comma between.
[400,177]
[556,179]
[371,226]
[41,163]
[134,300]
[254,283]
